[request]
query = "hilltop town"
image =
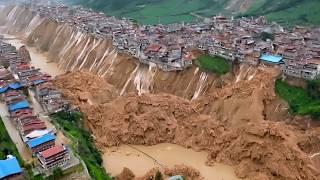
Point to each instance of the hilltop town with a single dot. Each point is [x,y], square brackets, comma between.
[249,40]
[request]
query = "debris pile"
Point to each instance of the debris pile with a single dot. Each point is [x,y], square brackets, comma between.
[230,123]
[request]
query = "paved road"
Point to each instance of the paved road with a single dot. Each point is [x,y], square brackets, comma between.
[14,134]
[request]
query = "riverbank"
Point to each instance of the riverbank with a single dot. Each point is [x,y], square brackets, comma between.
[38,59]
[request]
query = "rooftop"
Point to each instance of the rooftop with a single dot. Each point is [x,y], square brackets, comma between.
[52,151]
[9,167]
[271,58]
[40,140]
[20,105]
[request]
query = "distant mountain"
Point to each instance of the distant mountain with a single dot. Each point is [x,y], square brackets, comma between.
[168,11]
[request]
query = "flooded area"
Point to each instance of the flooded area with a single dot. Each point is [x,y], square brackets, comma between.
[140,159]
[37,59]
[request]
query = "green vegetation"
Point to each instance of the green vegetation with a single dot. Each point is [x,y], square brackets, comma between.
[300,100]
[72,125]
[287,12]
[213,64]
[155,11]
[56,174]
[6,144]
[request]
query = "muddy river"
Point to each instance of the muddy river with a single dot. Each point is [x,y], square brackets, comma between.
[37,59]
[140,159]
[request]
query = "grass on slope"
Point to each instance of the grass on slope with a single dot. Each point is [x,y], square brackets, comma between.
[73,125]
[288,12]
[6,144]
[214,64]
[299,99]
[153,11]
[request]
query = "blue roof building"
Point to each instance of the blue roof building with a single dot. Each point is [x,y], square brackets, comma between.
[4,89]
[40,140]
[15,85]
[36,82]
[271,59]
[20,105]
[9,167]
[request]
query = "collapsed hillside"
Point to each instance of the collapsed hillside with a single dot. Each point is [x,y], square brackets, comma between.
[230,122]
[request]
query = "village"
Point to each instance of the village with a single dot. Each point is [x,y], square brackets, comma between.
[19,82]
[247,40]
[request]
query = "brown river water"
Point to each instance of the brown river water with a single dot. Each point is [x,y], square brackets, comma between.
[140,159]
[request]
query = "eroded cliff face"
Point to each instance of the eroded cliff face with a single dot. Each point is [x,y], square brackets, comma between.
[75,50]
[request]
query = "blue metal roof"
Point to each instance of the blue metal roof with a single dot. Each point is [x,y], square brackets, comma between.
[15,85]
[36,82]
[271,58]
[9,167]
[20,105]
[40,140]
[4,89]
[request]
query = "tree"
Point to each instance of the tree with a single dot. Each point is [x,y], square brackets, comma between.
[158,176]
[57,173]
[265,36]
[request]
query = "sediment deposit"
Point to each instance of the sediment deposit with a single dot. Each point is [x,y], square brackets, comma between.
[230,123]
[185,171]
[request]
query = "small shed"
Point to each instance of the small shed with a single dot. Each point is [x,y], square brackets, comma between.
[269,59]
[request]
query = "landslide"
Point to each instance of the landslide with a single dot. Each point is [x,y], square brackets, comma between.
[230,122]
[82,87]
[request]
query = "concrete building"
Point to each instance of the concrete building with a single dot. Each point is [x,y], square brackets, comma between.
[41,143]
[54,157]
[308,69]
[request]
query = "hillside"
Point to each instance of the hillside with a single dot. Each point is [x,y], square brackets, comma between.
[286,12]
[155,11]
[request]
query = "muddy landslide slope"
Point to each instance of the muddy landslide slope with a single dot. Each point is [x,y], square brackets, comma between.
[230,123]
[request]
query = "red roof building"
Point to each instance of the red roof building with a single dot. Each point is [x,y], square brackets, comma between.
[56,156]
[32,126]
[21,112]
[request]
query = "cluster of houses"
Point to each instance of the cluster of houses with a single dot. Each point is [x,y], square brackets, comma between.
[170,47]
[17,79]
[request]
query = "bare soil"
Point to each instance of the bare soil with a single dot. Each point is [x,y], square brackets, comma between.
[229,122]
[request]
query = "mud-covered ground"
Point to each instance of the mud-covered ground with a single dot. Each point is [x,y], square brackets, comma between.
[230,122]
